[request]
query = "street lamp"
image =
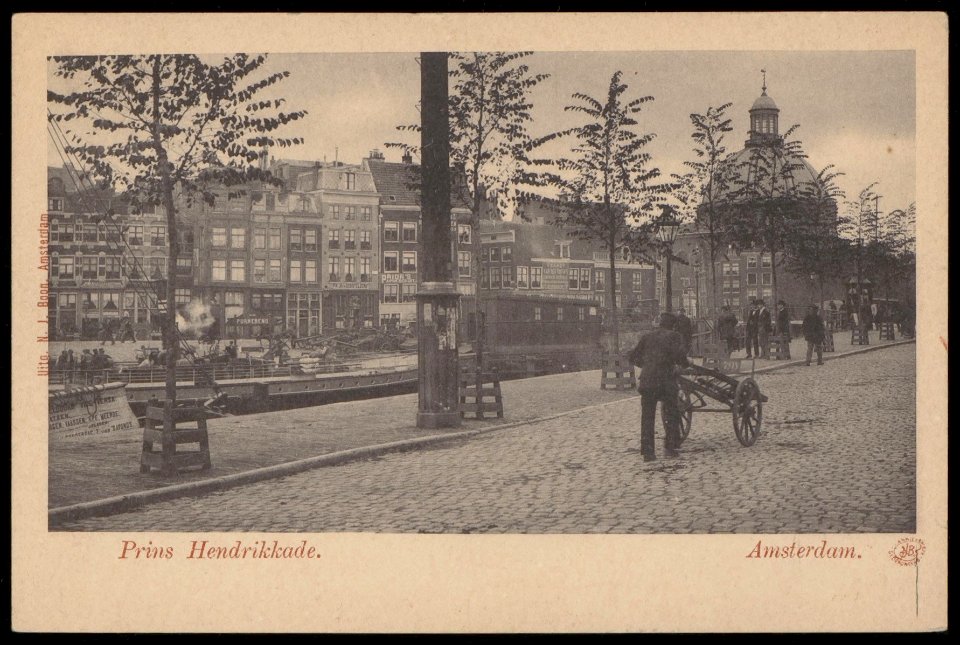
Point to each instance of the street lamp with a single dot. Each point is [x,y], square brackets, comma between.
[667,228]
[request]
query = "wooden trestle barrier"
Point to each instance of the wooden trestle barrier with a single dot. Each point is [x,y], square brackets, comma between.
[618,373]
[169,460]
[479,390]
[780,348]
[887,331]
[828,342]
[859,336]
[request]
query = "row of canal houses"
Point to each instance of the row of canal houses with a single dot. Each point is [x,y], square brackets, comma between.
[336,246]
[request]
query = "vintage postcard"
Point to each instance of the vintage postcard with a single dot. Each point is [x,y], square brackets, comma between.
[479,322]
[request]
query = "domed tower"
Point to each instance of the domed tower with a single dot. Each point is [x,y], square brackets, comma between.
[764,115]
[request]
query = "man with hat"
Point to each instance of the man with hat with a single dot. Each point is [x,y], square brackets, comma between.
[753,327]
[764,328]
[658,354]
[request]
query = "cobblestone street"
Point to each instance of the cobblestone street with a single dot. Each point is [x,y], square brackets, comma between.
[837,455]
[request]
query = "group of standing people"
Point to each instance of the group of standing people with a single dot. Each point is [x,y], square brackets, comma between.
[90,359]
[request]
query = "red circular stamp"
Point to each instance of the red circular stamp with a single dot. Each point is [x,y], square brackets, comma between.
[907,551]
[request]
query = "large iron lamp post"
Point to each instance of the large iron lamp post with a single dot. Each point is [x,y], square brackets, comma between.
[667,228]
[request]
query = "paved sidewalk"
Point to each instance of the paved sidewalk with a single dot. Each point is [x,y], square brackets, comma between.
[85,472]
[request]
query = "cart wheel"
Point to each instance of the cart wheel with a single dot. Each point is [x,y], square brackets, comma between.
[747,412]
[686,414]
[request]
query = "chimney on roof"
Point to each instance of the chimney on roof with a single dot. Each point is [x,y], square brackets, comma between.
[407,157]
[376,154]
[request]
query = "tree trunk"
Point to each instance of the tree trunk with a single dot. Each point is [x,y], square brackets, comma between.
[613,279]
[170,325]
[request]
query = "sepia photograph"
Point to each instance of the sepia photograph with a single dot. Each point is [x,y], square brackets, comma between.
[533,291]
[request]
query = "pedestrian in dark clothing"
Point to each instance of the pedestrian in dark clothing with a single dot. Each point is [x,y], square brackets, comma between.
[866,316]
[658,353]
[813,333]
[753,328]
[764,327]
[783,320]
[231,350]
[685,328]
[71,360]
[62,361]
[727,328]
[128,332]
[85,360]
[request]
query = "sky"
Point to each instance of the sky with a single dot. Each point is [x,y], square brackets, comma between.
[856,110]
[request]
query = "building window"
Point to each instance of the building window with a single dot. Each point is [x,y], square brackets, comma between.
[731,268]
[366,213]
[182,296]
[391,262]
[619,286]
[582,312]
[295,271]
[88,267]
[333,238]
[335,211]
[274,239]
[259,270]
[573,278]
[310,240]
[523,277]
[559,314]
[506,254]
[365,243]
[767,278]
[637,282]
[563,249]
[349,269]
[238,270]
[536,277]
[536,313]
[111,267]
[259,238]
[409,231]
[134,235]
[391,231]
[599,279]
[391,293]
[484,278]
[275,270]
[238,238]
[408,292]
[463,263]
[585,279]
[55,204]
[310,271]
[157,268]
[364,269]
[765,260]
[158,235]
[752,262]
[464,234]
[484,254]
[494,277]
[495,254]
[751,279]
[218,236]
[296,240]
[350,212]
[507,278]
[409,261]
[333,268]
[351,178]
[218,270]
[349,239]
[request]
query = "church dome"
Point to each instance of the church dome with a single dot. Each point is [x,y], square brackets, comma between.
[764,102]
[743,168]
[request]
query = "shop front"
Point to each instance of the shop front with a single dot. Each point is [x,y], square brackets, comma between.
[350,306]
[303,313]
